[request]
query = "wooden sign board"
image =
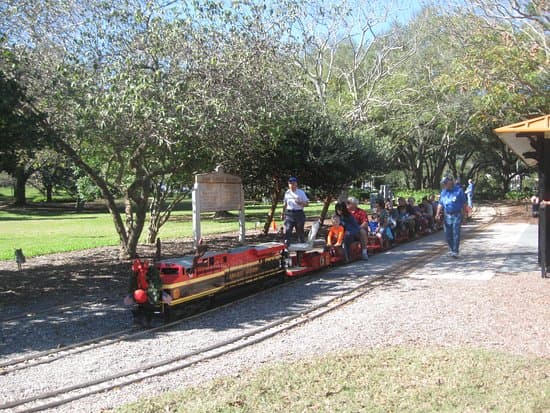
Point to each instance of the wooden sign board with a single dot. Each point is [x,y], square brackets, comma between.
[214,192]
[219,192]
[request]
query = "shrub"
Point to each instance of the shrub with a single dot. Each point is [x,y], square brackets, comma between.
[487,188]
[518,195]
[417,194]
[360,194]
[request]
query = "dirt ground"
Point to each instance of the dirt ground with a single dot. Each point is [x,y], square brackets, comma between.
[99,274]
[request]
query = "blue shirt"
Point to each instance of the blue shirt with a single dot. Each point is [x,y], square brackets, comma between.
[452,201]
[350,224]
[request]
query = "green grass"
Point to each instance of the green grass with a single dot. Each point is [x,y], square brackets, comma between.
[33,195]
[400,379]
[45,234]
[6,193]
[40,232]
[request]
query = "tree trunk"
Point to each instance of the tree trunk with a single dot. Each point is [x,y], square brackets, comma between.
[326,206]
[154,220]
[153,232]
[19,190]
[417,177]
[136,213]
[79,205]
[437,175]
[49,193]
[275,196]
[160,212]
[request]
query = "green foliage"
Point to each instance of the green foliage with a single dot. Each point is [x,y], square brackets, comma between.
[154,290]
[416,194]
[336,157]
[360,194]
[488,188]
[86,189]
[518,195]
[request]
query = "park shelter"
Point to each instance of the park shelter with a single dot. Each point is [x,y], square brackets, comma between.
[530,140]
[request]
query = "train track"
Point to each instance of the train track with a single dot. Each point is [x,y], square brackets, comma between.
[49,356]
[64,395]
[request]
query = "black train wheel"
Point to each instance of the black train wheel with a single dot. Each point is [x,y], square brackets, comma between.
[142,317]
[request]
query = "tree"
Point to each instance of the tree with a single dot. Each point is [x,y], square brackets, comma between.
[344,53]
[423,120]
[20,135]
[505,70]
[463,77]
[336,158]
[522,22]
[123,77]
[52,170]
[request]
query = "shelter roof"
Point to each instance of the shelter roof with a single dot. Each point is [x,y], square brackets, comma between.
[522,137]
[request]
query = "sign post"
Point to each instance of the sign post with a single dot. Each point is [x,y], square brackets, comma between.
[217,191]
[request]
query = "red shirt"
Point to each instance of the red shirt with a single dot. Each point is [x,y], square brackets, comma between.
[360,216]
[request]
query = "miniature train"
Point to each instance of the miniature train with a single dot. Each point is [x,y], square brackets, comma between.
[168,285]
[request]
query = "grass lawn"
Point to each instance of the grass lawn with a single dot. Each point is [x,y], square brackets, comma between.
[399,379]
[40,232]
[31,194]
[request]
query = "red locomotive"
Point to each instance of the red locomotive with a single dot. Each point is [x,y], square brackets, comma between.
[169,283]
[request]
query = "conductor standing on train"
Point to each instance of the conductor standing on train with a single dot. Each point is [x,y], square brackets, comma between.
[451,204]
[293,210]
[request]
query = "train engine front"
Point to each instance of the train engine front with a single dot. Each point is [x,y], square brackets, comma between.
[176,285]
[145,291]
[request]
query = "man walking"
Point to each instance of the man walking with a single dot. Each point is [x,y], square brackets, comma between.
[470,197]
[451,203]
[470,193]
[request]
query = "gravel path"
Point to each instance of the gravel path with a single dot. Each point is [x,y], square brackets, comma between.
[507,310]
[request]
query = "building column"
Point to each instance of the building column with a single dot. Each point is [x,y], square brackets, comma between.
[544,212]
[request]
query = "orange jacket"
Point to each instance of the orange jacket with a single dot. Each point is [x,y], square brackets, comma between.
[335,235]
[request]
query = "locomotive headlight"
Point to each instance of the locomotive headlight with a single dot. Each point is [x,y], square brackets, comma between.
[176,293]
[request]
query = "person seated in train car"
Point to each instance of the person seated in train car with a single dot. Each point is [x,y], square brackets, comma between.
[373,223]
[362,219]
[420,220]
[392,216]
[383,232]
[401,219]
[406,223]
[427,213]
[335,235]
[351,227]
